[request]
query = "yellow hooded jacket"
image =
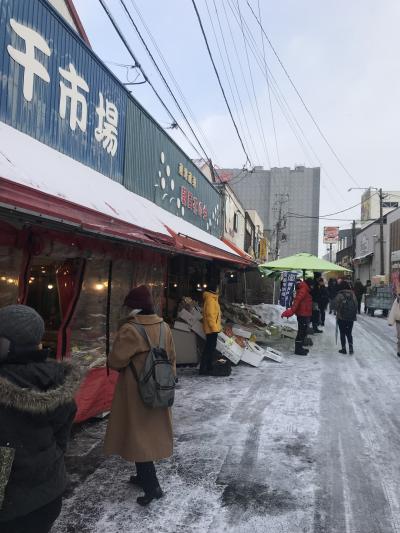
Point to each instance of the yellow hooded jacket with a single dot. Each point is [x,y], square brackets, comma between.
[211,313]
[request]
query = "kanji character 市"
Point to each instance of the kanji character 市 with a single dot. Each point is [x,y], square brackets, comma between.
[106,130]
[205,213]
[27,59]
[200,209]
[78,107]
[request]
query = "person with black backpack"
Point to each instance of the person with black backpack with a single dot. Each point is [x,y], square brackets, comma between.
[346,306]
[140,425]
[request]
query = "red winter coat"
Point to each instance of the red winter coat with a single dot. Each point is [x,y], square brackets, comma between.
[302,305]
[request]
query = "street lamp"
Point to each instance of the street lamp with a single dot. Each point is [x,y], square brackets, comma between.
[382,252]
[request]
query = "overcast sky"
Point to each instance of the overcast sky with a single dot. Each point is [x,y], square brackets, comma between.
[343,56]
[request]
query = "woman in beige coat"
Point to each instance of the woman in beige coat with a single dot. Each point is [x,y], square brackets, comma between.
[136,432]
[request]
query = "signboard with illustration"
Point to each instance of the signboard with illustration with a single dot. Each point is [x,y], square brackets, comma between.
[287,288]
[331,234]
[55,89]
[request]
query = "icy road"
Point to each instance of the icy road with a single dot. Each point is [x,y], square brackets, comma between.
[309,445]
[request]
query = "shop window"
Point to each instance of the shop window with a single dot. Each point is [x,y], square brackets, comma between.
[122,282]
[88,326]
[51,288]
[10,264]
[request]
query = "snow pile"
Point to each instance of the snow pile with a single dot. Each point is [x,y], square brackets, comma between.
[272,313]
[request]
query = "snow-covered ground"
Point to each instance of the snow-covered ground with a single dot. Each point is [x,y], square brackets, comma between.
[311,445]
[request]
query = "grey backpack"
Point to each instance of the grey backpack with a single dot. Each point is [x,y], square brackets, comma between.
[156,383]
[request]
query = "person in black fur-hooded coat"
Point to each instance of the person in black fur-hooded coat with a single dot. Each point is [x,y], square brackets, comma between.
[36,412]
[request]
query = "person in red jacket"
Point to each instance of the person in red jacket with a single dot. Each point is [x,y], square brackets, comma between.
[302,308]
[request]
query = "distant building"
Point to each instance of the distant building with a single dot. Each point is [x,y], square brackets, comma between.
[370,208]
[287,201]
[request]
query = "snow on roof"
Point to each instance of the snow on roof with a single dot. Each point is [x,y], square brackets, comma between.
[26,161]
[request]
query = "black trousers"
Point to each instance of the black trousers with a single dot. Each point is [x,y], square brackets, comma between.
[146,473]
[359,300]
[302,323]
[208,353]
[39,521]
[322,312]
[346,329]
[315,318]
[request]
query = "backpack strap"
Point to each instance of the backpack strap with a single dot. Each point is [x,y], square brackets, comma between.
[142,330]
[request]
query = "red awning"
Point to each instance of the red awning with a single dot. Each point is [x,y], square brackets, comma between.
[238,250]
[197,248]
[21,197]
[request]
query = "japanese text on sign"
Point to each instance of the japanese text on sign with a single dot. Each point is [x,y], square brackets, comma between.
[73,87]
[187,175]
[193,203]
[287,289]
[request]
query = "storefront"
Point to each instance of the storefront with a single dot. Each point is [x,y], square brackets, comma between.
[95,197]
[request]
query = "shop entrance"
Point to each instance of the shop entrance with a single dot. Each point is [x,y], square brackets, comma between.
[53,288]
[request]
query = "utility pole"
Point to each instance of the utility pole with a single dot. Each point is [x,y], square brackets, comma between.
[330,252]
[283,198]
[353,245]
[382,244]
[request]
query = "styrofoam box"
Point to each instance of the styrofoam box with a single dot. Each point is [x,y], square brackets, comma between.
[252,358]
[241,332]
[197,327]
[186,316]
[196,313]
[234,353]
[270,353]
[185,347]
[182,326]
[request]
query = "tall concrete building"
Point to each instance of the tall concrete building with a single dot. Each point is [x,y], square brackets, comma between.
[282,197]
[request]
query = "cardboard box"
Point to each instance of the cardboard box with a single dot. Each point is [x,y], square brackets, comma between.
[185,347]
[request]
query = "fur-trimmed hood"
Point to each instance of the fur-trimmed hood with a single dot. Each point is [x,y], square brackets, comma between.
[33,401]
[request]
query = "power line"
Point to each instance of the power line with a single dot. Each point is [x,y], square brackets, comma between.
[122,2]
[228,78]
[137,65]
[269,90]
[260,127]
[283,103]
[231,69]
[337,212]
[174,80]
[219,81]
[338,159]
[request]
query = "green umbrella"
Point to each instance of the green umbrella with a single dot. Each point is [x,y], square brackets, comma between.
[303,262]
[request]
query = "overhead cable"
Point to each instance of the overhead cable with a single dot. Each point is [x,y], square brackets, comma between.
[219,81]
[335,154]
[174,80]
[122,2]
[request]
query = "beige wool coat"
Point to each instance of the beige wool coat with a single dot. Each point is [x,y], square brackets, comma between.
[137,432]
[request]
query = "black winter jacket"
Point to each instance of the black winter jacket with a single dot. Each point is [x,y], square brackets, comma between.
[36,414]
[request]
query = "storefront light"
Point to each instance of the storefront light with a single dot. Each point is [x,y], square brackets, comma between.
[99,286]
[50,287]
[10,280]
[205,285]
[175,285]
[3,278]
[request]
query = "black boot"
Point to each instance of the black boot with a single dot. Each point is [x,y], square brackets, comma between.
[299,350]
[155,494]
[316,330]
[343,350]
[308,342]
[351,350]
[135,481]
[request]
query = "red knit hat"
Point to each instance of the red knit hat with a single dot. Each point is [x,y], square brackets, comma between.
[140,298]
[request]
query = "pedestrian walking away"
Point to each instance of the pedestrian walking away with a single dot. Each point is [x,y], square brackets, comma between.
[359,291]
[302,308]
[211,326]
[332,292]
[137,432]
[37,409]
[346,314]
[323,300]
[394,319]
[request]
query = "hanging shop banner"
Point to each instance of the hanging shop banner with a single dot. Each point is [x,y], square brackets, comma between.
[287,288]
[55,89]
[331,234]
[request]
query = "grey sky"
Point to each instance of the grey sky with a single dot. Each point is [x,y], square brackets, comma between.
[342,55]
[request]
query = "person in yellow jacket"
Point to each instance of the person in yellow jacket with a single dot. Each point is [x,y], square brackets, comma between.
[211,326]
